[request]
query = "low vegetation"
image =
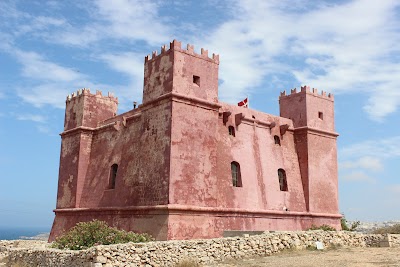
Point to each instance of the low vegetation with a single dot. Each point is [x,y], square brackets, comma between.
[352,227]
[323,227]
[395,229]
[188,263]
[88,234]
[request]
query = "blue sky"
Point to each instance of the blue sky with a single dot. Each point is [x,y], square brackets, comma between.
[49,49]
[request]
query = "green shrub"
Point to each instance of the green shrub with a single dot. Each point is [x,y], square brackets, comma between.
[323,227]
[395,229]
[87,234]
[352,227]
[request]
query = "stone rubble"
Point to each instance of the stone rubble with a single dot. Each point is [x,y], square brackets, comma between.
[169,253]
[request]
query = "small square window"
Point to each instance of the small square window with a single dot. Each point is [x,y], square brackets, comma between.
[196,80]
[277,140]
[320,115]
[231,130]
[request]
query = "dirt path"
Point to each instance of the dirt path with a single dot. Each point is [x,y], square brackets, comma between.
[343,257]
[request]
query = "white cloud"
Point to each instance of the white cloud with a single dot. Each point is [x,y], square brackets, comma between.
[23,23]
[38,24]
[385,101]
[128,63]
[36,67]
[343,47]
[395,188]
[133,19]
[383,148]
[367,163]
[31,117]
[50,81]
[131,65]
[73,36]
[346,48]
[53,94]
[358,176]
[53,82]
[357,161]
[41,122]
[44,129]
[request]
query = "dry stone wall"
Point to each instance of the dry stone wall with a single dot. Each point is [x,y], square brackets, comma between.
[169,253]
[394,240]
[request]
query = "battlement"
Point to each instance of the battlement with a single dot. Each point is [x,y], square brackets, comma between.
[307,90]
[176,45]
[86,92]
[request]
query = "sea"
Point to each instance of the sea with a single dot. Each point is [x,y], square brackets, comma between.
[12,233]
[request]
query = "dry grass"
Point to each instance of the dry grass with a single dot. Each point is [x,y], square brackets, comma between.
[395,229]
[188,263]
[354,257]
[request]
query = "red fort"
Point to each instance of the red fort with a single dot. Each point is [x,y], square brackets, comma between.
[183,165]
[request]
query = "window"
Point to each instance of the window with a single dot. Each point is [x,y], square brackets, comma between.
[196,80]
[231,130]
[277,140]
[113,176]
[236,177]
[320,115]
[282,180]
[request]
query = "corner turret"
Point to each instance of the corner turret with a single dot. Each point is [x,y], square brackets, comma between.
[308,108]
[315,139]
[181,71]
[86,109]
[83,112]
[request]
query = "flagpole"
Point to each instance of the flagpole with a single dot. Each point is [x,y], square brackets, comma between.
[248,101]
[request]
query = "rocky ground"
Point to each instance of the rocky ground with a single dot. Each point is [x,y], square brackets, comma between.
[332,257]
[2,255]
[354,257]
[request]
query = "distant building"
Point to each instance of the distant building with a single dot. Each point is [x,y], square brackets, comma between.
[184,165]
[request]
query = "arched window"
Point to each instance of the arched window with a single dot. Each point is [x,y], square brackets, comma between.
[277,140]
[236,176]
[231,130]
[282,180]
[113,176]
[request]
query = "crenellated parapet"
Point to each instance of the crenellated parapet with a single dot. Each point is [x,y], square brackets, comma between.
[86,92]
[308,90]
[176,45]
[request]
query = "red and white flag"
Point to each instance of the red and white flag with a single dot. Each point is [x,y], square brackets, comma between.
[244,103]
